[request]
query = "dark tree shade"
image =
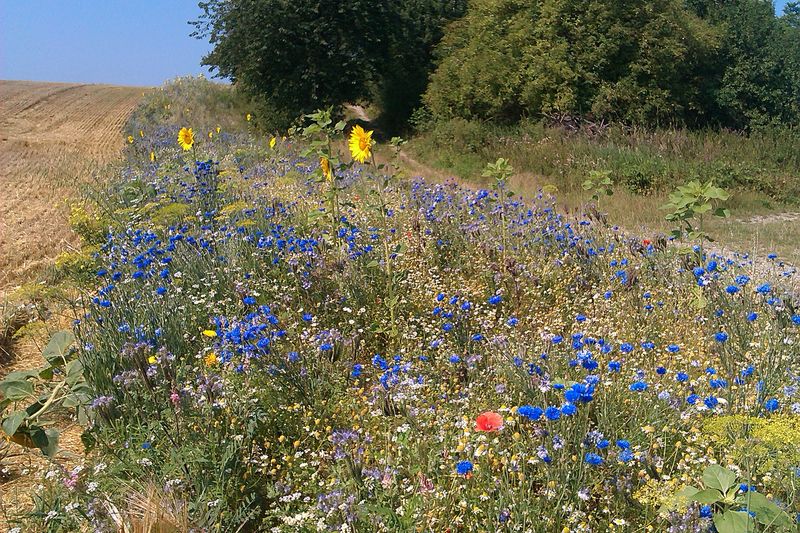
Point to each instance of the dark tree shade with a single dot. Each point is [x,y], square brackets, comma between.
[296,56]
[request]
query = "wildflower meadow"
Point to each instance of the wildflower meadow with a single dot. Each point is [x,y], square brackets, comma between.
[291,333]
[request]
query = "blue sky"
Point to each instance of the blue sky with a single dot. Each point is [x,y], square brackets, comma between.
[142,42]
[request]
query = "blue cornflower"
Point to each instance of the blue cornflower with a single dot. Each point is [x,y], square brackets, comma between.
[771,405]
[552,413]
[357,370]
[568,409]
[705,511]
[638,386]
[249,300]
[496,299]
[711,402]
[530,412]
[752,316]
[721,336]
[614,366]
[624,444]
[307,317]
[593,459]
[463,468]
[512,321]
[455,359]
[626,347]
[673,348]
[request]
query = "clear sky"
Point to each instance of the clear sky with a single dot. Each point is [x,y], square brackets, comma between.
[133,42]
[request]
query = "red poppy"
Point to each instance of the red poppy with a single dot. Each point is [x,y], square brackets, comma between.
[646,242]
[488,421]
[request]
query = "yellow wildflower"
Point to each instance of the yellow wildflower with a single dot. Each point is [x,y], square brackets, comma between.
[325,165]
[272,143]
[211,359]
[210,333]
[186,138]
[360,144]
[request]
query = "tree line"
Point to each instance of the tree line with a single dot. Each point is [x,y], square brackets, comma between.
[695,63]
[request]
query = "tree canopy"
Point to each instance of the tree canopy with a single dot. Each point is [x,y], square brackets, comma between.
[727,63]
[295,57]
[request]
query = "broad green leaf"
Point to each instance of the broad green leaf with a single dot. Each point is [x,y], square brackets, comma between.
[16,390]
[734,522]
[707,496]
[13,421]
[57,349]
[766,511]
[45,440]
[717,477]
[74,372]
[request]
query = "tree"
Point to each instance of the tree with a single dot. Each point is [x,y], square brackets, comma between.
[295,57]
[631,60]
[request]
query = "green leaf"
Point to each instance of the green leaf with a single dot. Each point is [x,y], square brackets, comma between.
[717,477]
[74,372]
[734,522]
[707,496]
[45,440]
[57,349]
[16,389]
[13,421]
[766,511]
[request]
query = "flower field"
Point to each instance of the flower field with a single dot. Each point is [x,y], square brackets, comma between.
[280,338]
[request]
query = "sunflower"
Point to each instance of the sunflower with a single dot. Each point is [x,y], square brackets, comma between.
[361,144]
[186,138]
[272,143]
[325,165]
[130,139]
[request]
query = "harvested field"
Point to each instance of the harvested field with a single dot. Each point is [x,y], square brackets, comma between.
[54,137]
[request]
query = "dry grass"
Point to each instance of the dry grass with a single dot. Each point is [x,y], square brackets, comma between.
[54,138]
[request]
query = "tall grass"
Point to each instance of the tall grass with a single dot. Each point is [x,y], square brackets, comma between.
[643,162]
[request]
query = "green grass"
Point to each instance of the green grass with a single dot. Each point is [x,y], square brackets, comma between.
[762,171]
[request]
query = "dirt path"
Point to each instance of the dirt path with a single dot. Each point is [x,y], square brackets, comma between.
[53,138]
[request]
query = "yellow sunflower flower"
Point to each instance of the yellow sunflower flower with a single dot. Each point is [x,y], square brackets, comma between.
[325,165]
[248,117]
[272,142]
[152,157]
[360,144]
[130,139]
[186,138]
